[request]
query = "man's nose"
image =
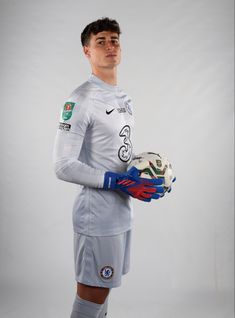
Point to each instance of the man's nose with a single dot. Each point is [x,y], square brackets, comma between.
[109,45]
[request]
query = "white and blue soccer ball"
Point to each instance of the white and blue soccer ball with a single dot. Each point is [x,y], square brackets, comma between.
[153,165]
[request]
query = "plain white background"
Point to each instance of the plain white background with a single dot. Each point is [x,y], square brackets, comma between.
[177,64]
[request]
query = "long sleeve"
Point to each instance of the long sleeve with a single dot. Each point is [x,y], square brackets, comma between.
[74,122]
[67,166]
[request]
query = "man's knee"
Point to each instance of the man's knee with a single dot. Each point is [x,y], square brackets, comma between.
[91,293]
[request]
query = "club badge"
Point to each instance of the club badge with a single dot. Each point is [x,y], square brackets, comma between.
[106,272]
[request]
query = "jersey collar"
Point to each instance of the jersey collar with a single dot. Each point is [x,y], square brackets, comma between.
[96,80]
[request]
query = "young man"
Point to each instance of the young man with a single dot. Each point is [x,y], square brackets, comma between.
[93,148]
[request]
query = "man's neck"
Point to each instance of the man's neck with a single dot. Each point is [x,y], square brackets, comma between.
[109,76]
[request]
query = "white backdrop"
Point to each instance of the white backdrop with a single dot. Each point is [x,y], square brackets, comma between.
[177,64]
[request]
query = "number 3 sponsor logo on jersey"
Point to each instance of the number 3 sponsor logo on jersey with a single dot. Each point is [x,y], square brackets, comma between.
[125,151]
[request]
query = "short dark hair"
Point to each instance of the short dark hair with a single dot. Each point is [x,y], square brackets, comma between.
[104,24]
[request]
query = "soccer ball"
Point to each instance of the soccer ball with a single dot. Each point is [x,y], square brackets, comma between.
[153,165]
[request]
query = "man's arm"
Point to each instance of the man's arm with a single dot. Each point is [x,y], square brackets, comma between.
[67,166]
[74,120]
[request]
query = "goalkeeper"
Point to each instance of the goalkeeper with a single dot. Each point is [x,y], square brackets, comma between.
[93,148]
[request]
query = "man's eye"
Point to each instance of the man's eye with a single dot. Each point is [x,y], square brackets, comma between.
[101,42]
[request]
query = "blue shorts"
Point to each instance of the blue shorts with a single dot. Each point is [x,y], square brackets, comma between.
[101,260]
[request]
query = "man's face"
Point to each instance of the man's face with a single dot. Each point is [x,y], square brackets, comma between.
[103,50]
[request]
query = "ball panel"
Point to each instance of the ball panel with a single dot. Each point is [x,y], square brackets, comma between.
[153,165]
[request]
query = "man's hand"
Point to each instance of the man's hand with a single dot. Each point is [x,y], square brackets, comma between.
[130,183]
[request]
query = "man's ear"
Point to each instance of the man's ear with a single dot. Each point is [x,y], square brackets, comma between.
[86,50]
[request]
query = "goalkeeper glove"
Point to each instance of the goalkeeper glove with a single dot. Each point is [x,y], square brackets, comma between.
[131,184]
[169,189]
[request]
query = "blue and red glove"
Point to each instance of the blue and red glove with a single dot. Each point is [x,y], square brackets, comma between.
[131,183]
[169,189]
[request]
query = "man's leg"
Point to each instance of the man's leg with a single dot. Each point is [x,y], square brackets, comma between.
[89,302]
[99,261]
[91,293]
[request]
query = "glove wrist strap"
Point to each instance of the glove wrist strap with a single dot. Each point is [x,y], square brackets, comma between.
[110,180]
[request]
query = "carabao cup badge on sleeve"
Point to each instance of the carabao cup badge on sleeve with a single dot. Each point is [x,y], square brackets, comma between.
[67,110]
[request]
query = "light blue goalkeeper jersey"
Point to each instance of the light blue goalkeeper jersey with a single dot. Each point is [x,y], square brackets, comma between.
[94,136]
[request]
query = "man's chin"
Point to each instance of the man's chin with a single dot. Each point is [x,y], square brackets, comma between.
[110,67]
[113,64]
